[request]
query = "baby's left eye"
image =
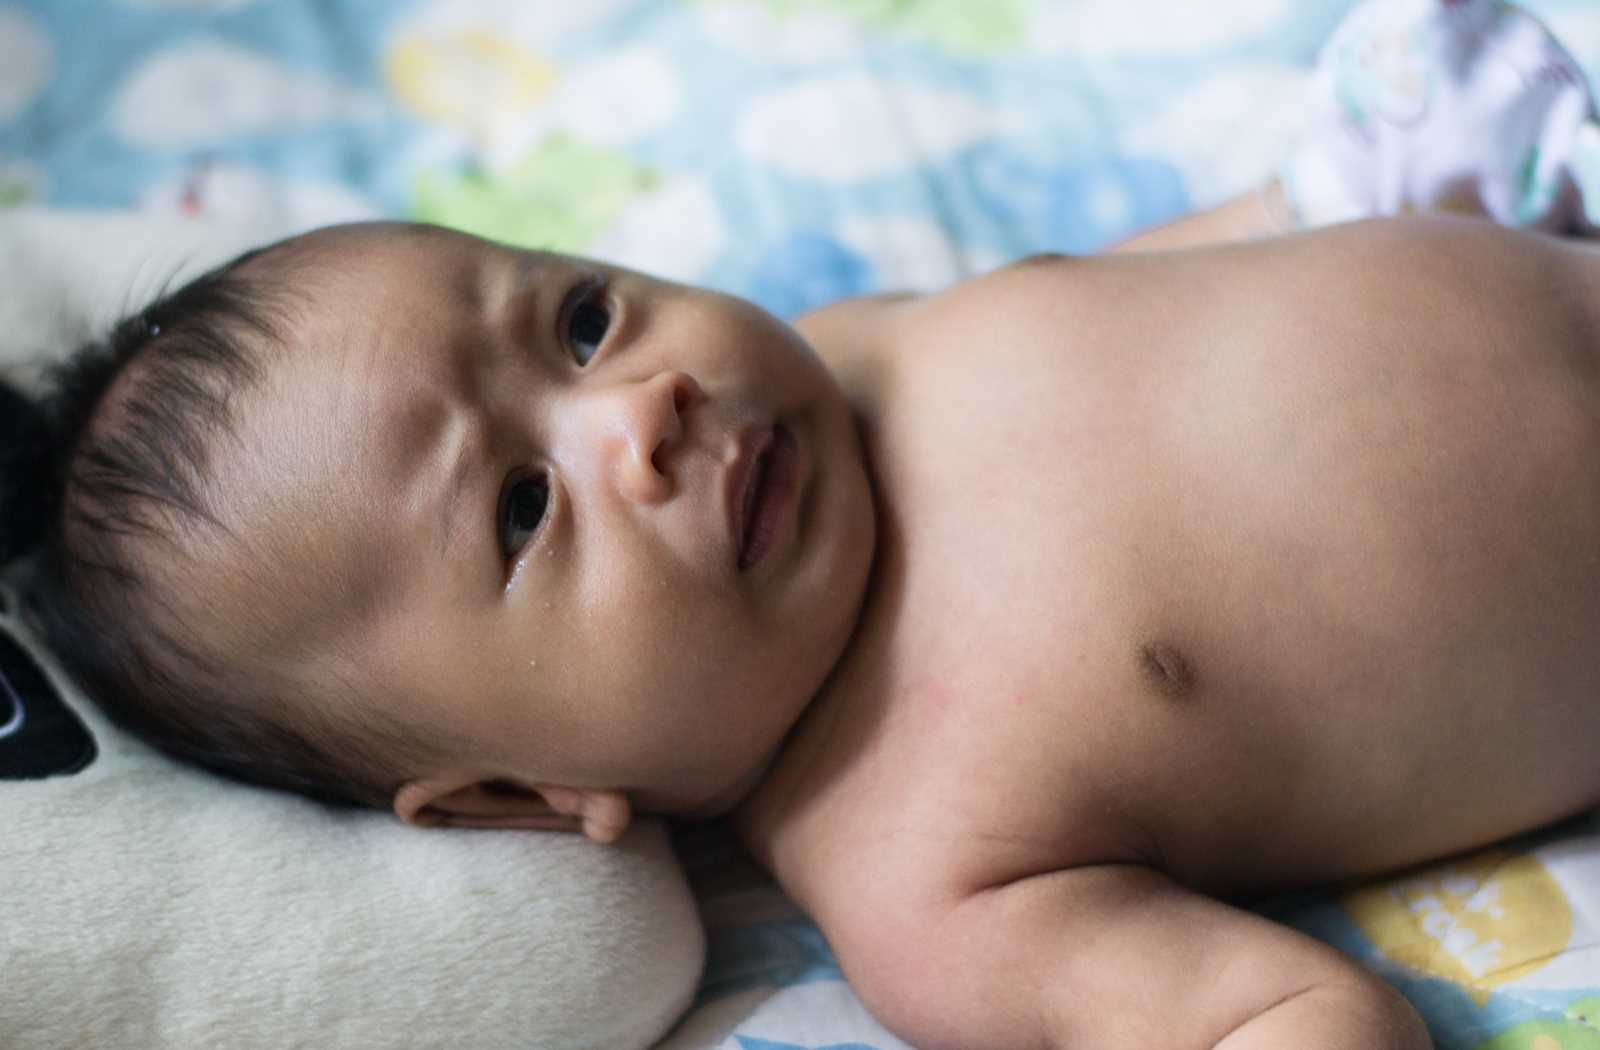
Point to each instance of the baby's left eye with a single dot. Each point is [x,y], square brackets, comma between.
[522,508]
[586,319]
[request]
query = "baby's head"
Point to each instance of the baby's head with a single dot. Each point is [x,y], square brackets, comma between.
[392,515]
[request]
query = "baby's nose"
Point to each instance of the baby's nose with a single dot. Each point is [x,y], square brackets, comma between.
[649,419]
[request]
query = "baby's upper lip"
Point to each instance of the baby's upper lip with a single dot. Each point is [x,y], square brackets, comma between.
[749,443]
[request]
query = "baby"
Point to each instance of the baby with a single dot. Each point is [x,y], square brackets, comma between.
[1019,626]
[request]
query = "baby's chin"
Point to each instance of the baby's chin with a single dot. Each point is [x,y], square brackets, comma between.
[707,805]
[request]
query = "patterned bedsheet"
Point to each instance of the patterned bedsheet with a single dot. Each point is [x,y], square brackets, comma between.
[791,151]
[1499,949]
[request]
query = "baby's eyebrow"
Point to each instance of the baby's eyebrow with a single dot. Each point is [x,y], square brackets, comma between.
[529,271]
[451,513]
[531,266]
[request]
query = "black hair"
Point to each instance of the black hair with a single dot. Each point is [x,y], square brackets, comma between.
[102,479]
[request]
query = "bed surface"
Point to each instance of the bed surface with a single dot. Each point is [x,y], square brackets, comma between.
[791,152]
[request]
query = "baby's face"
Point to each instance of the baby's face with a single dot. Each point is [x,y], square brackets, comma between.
[601,530]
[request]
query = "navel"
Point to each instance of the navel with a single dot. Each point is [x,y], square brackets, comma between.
[1166,669]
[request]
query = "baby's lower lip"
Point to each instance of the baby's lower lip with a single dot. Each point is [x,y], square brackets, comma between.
[773,498]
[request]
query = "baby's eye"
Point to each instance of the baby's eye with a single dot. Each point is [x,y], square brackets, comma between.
[521,510]
[586,319]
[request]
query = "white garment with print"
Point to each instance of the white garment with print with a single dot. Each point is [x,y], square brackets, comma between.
[1447,105]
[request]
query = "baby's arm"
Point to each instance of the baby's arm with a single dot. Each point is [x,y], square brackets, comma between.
[1115,955]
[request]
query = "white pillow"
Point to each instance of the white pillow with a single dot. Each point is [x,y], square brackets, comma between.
[145,904]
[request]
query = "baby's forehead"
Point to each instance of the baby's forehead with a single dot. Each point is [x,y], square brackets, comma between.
[370,235]
[300,494]
[413,243]
[390,277]
[392,326]
[354,411]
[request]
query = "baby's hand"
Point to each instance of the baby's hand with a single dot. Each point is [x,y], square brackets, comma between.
[1447,105]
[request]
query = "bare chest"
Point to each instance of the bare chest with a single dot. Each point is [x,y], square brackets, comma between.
[1257,621]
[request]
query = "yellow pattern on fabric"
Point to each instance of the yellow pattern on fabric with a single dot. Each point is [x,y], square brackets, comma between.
[469,79]
[1478,921]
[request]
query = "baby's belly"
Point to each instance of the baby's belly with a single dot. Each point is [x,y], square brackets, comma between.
[1378,547]
[1308,586]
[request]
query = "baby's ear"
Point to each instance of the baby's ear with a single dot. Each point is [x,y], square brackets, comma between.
[601,815]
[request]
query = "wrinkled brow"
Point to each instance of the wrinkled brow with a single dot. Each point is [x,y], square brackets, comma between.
[452,513]
[513,303]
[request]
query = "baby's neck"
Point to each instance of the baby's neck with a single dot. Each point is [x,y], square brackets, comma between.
[848,338]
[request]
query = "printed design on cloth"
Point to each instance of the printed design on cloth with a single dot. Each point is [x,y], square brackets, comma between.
[1578,1029]
[1478,922]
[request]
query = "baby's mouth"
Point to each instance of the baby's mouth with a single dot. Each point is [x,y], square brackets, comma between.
[768,497]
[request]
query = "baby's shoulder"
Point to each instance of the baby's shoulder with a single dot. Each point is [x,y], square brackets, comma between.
[856,337]
[861,339]
[843,319]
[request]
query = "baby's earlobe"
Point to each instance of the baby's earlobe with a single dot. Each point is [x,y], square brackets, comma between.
[606,816]
[603,815]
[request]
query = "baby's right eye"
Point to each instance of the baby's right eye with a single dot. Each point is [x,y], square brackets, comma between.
[586,318]
[522,508]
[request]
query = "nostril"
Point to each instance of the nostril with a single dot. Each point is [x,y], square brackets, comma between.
[666,427]
[685,392]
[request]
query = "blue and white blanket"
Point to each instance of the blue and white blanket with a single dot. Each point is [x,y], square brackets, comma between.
[793,152]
